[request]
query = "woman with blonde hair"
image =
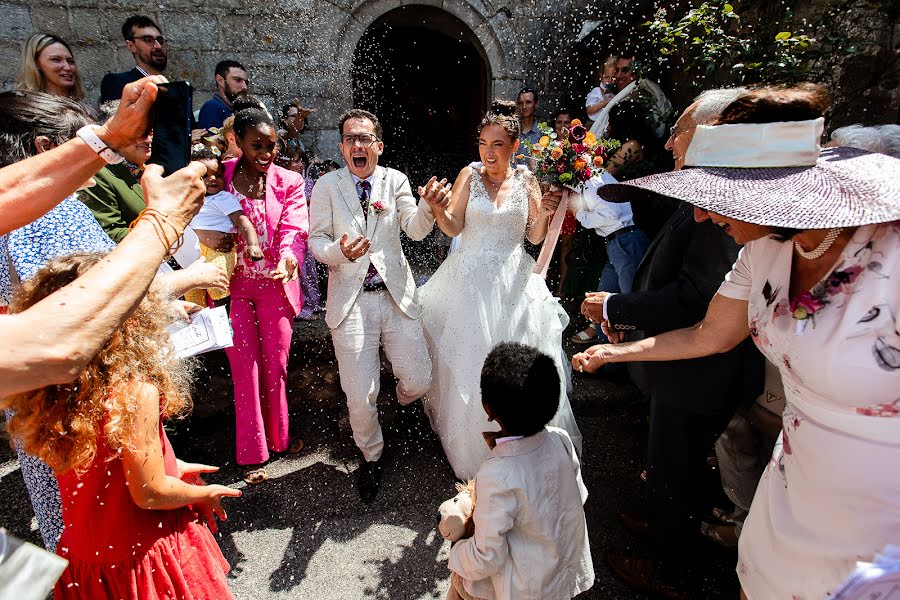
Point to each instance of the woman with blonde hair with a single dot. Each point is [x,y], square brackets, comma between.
[48,65]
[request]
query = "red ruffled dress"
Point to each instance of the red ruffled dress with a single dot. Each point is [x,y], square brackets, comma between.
[117,550]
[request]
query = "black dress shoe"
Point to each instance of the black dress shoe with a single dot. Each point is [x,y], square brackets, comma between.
[636,523]
[640,574]
[368,480]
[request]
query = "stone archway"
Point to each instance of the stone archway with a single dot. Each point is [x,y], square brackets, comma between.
[487,28]
[423,73]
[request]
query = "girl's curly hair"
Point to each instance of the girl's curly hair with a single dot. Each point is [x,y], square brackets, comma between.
[59,423]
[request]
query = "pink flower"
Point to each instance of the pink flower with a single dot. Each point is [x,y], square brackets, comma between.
[805,305]
[579,148]
[578,132]
[377,207]
[880,410]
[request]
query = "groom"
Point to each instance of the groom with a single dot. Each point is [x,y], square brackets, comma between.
[356,214]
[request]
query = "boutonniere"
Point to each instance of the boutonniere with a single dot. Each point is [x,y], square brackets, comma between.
[377,207]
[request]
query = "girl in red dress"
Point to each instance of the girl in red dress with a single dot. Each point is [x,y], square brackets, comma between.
[133,514]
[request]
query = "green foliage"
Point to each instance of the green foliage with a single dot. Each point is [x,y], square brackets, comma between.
[711,45]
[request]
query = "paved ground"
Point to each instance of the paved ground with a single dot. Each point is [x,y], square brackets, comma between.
[306,535]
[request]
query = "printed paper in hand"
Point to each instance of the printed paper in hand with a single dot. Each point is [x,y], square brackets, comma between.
[208,330]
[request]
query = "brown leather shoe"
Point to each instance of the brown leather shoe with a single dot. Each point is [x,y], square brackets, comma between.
[638,573]
[636,523]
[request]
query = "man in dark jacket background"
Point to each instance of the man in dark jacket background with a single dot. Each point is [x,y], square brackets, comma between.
[145,41]
[691,401]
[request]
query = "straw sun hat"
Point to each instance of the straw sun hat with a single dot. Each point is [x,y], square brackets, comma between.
[775,174]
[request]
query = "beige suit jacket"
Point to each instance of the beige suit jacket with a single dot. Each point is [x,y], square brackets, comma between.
[531,540]
[335,210]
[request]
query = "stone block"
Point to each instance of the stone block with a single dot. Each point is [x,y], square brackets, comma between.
[185,65]
[9,64]
[87,25]
[190,29]
[94,61]
[51,19]
[16,22]
[326,144]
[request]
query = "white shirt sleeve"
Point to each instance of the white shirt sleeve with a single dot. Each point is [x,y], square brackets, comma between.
[593,97]
[739,280]
[226,202]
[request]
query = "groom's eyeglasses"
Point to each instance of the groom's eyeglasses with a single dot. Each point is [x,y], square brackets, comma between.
[364,139]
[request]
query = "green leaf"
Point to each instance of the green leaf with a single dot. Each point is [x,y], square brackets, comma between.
[784,35]
[728,8]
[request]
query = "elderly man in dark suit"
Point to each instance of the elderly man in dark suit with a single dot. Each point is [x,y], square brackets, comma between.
[691,401]
[145,41]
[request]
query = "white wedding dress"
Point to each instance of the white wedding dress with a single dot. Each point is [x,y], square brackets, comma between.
[483,294]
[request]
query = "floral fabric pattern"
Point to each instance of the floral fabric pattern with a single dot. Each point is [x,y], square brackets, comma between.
[830,496]
[255,209]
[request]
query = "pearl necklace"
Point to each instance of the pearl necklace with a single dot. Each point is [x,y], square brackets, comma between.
[493,181]
[823,246]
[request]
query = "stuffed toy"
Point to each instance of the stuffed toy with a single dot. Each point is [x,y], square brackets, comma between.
[456,514]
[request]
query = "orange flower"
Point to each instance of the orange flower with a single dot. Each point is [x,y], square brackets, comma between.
[544,141]
[556,153]
[520,156]
[536,150]
[575,122]
[590,139]
[598,161]
[580,164]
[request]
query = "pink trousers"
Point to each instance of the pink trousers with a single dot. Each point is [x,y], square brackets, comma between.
[262,319]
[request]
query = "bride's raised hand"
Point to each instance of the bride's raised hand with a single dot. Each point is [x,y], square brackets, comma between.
[550,201]
[436,193]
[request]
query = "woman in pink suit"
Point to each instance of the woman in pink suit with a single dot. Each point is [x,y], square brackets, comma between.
[265,294]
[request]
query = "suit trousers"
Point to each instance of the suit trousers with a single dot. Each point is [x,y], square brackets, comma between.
[374,320]
[263,321]
[678,445]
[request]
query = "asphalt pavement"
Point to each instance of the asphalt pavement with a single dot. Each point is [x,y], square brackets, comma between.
[305,534]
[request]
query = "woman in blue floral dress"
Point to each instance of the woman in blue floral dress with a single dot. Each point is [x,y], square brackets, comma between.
[817,286]
[35,122]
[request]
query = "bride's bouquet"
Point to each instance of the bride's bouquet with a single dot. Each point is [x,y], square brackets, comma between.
[570,159]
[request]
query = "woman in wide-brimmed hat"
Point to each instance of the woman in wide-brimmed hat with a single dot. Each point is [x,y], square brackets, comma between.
[817,286]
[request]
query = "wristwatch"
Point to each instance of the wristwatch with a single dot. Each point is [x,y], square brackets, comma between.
[88,133]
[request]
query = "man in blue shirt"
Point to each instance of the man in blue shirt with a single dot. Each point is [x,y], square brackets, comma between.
[231,82]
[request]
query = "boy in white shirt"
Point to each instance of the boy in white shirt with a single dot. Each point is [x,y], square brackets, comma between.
[221,212]
[600,96]
[531,539]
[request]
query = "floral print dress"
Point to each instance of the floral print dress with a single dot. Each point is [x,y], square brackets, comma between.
[830,495]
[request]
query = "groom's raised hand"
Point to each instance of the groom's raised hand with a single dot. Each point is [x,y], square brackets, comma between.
[355,248]
[436,193]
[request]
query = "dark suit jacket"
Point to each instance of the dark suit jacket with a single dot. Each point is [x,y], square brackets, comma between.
[113,83]
[679,275]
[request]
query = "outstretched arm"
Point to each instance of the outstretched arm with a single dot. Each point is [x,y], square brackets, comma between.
[540,209]
[452,218]
[724,327]
[149,485]
[52,341]
[31,187]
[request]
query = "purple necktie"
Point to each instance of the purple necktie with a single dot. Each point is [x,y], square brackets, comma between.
[364,187]
[372,276]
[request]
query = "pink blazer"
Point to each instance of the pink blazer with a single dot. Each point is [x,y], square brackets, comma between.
[287,219]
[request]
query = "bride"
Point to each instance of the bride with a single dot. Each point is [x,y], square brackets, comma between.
[485,292]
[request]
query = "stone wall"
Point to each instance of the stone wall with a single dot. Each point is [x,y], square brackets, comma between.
[300,48]
[305,48]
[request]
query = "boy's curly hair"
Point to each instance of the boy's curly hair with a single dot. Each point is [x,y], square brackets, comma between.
[59,423]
